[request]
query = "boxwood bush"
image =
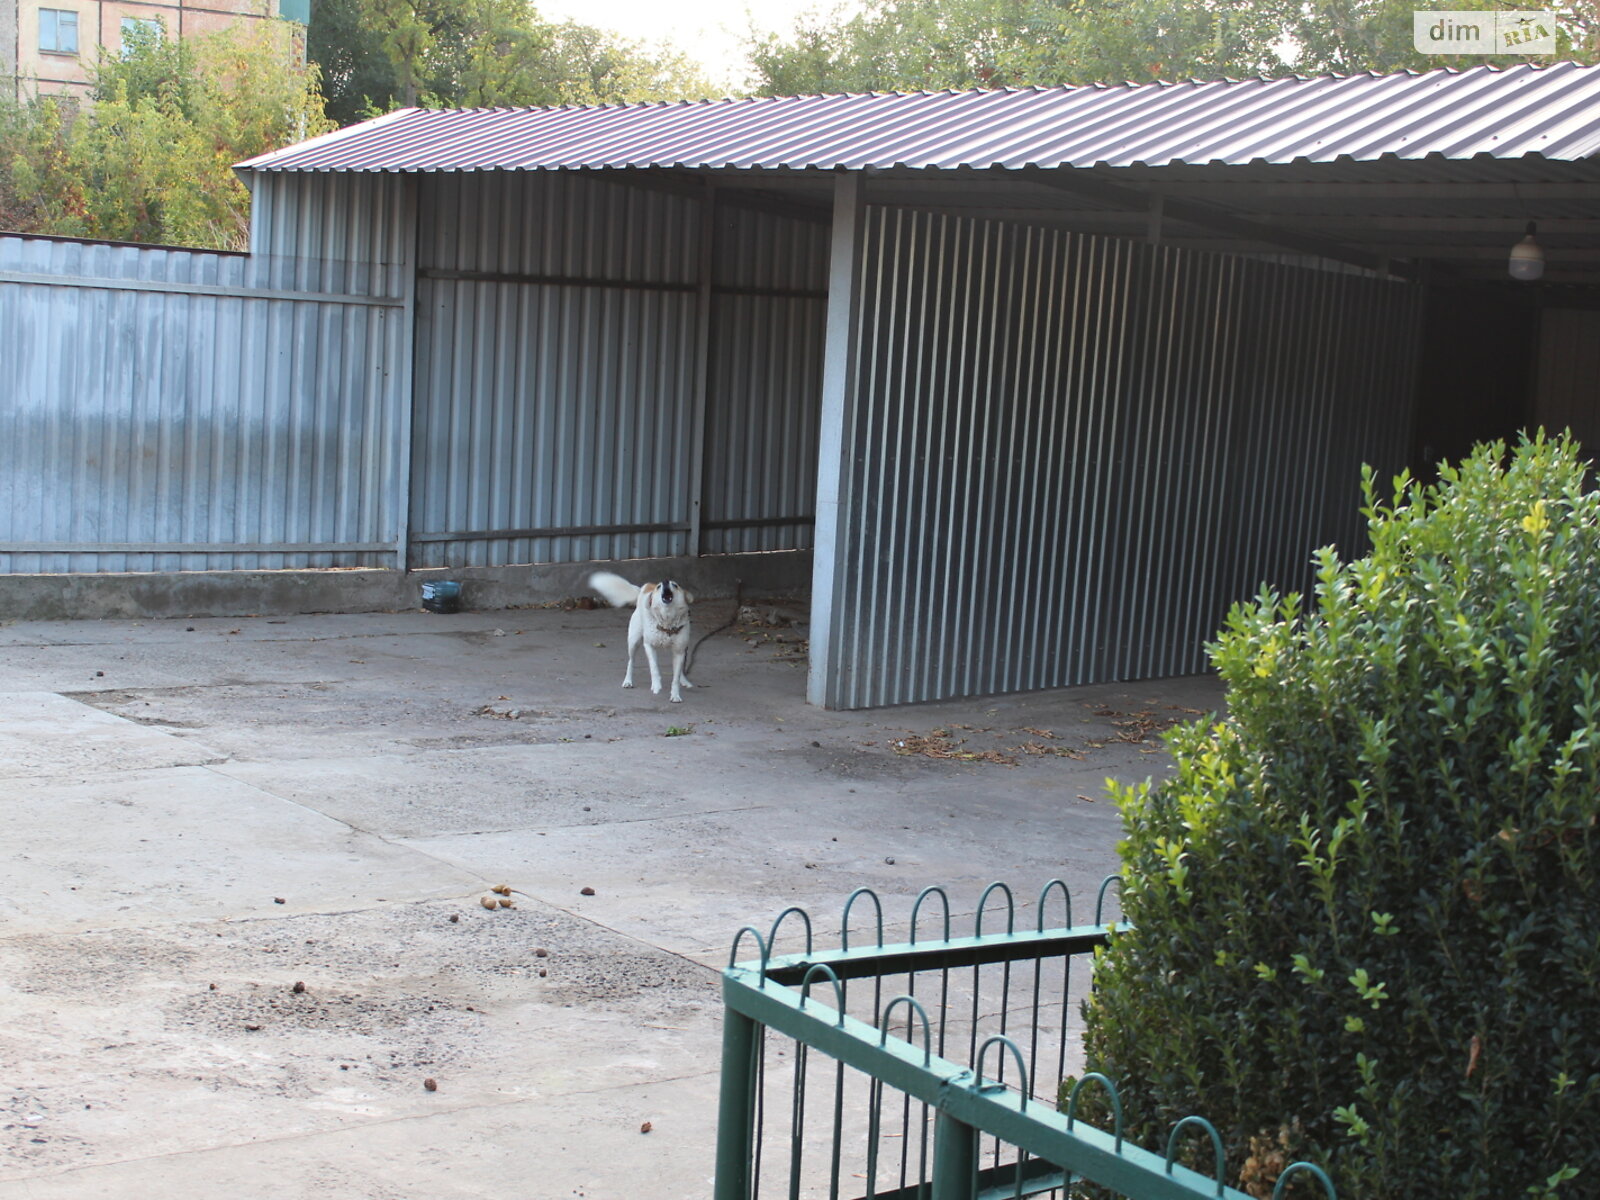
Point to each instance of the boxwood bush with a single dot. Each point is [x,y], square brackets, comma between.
[1364,913]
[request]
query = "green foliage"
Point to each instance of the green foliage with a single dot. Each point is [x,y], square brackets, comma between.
[1345,36]
[889,45]
[357,74]
[152,160]
[1363,912]
[378,55]
[590,66]
[151,67]
[40,188]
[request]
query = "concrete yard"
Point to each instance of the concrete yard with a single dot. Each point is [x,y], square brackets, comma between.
[201,814]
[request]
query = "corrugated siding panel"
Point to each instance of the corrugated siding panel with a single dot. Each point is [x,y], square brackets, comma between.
[559,405]
[157,429]
[1569,374]
[572,226]
[1068,455]
[556,412]
[546,408]
[757,249]
[332,233]
[768,317]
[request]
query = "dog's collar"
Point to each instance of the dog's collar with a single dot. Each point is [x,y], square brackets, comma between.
[670,630]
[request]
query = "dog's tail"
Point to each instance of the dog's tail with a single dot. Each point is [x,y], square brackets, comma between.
[614,589]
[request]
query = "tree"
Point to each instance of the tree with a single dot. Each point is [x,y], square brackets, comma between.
[41,189]
[1345,36]
[358,76]
[378,55]
[589,66]
[931,44]
[152,160]
[1363,911]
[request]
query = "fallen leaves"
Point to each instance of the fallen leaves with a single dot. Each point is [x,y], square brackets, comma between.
[781,629]
[498,714]
[941,743]
[1139,728]
[1039,750]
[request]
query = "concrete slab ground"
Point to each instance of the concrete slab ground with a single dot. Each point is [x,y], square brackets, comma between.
[242,861]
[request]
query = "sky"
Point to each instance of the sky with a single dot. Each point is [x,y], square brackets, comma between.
[710,31]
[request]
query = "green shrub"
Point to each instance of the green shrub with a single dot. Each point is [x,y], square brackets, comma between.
[1364,913]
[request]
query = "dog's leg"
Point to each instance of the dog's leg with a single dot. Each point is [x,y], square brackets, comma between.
[655,668]
[634,637]
[678,680]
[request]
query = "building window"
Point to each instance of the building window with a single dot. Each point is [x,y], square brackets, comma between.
[140,31]
[58,31]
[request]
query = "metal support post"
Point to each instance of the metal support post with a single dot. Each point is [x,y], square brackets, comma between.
[955,1159]
[828,558]
[700,402]
[736,1107]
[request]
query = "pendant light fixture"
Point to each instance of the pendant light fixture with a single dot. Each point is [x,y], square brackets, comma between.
[1527,259]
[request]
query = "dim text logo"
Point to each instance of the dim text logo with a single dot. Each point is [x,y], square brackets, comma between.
[1476,31]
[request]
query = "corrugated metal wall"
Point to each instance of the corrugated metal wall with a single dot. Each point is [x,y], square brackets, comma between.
[580,394]
[178,410]
[324,232]
[1568,391]
[596,379]
[1066,456]
[770,305]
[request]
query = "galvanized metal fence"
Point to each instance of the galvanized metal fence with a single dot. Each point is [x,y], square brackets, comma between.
[475,370]
[928,1068]
[611,372]
[188,410]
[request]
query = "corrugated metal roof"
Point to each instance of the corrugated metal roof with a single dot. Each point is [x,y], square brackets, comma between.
[1550,111]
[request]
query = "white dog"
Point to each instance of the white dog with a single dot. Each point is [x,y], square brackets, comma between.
[660,620]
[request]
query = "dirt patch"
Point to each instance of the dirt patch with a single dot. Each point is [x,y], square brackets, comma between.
[92,962]
[257,1008]
[323,710]
[414,942]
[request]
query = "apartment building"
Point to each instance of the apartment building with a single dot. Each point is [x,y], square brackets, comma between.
[49,46]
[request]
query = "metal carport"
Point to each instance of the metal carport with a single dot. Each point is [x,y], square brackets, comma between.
[1064,372]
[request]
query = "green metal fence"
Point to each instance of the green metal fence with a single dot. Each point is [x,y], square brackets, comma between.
[928,1068]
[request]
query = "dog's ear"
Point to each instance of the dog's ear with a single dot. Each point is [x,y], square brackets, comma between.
[688,596]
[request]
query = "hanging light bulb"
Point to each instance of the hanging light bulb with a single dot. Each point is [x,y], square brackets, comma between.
[1527,259]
